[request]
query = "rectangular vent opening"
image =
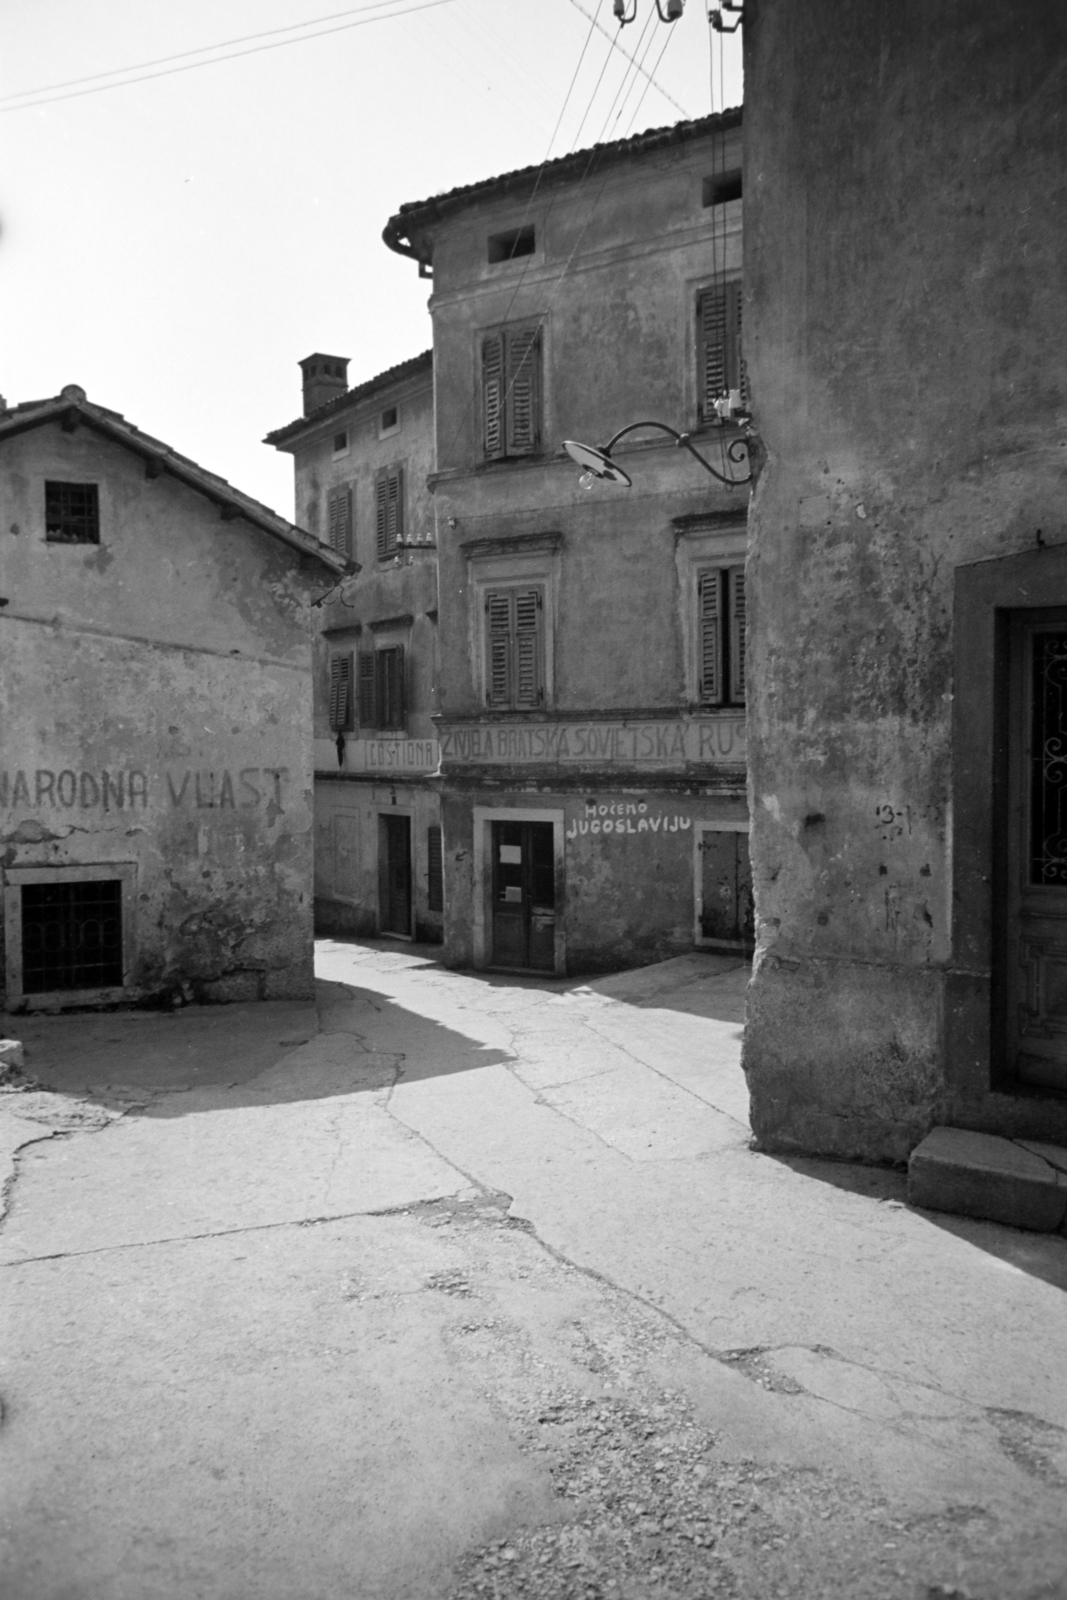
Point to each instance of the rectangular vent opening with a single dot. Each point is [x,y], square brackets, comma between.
[718,190]
[71,936]
[516,242]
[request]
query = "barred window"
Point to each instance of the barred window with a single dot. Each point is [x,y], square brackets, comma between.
[71,513]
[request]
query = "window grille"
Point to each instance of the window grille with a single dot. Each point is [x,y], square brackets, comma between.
[71,513]
[71,936]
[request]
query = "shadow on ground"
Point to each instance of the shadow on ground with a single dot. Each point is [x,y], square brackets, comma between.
[1041,1255]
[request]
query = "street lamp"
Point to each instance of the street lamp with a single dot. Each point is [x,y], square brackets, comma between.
[596,460]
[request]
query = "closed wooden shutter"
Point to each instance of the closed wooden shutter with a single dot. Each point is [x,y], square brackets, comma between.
[709,637]
[498,605]
[711,350]
[527,648]
[736,375]
[523,406]
[367,689]
[381,512]
[391,697]
[435,869]
[736,579]
[339,520]
[493,394]
[395,510]
[340,708]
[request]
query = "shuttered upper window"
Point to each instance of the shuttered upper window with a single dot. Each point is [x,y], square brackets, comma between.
[382,688]
[720,636]
[389,507]
[341,705]
[720,364]
[339,520]
[514,648]
[511,392]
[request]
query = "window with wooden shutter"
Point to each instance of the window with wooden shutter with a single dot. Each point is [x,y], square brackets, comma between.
[340,707]
[720,636]
[435,869]
[339,520]
[514,648]
[720,366]
[389,510]
[367,690]
[391,707]
[709,637]
[511,392]
[736,582]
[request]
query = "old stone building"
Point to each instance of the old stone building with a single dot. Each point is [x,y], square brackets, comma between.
[906,300]
[592,685]
[362,458]
[155,699]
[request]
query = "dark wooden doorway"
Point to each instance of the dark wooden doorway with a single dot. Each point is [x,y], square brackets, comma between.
[1034,837]
[524,896]
[726,907]
[394,874]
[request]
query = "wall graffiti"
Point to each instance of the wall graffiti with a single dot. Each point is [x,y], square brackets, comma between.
[128,789]
[626,816]
[673,741]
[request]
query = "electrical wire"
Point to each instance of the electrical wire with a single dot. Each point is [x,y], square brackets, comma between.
[617,46]
[276,44]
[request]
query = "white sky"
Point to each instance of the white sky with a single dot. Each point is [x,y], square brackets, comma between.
[176,245]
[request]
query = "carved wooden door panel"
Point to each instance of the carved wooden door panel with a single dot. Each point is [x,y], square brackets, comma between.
[1035,905]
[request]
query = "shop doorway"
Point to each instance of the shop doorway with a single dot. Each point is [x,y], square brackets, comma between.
[1033,957]
[523,896]
[394,874]
[724,906]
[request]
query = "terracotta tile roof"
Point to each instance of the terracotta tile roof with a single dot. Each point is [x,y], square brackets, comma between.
[362,391]
[418,214]
[72,406]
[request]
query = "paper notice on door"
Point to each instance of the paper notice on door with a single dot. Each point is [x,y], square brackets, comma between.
[511,855]
[512,892]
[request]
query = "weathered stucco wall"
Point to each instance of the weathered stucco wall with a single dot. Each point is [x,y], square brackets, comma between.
[905,231]
[156,703]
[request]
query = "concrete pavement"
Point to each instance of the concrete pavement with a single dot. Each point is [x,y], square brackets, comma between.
[461,1284]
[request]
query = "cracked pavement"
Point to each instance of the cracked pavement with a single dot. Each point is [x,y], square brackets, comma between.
[460,1284]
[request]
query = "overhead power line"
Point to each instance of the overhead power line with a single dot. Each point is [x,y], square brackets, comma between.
[47,97]
[617,46]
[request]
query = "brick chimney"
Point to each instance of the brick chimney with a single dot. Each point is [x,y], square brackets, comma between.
[325,377]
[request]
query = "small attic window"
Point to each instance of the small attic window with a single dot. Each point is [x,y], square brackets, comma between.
[389,421]
[340,444]
[718,190]
[71,513]
[516,242]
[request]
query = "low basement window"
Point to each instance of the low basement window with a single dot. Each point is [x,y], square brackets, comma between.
[71,513]
[516,242]
[718,190]
[71,936]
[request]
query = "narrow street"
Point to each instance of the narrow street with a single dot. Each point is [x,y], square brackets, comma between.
[462,1285]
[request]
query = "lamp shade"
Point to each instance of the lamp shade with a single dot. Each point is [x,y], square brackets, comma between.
[590,459]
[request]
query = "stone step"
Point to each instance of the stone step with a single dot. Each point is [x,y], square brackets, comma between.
[1017,1181]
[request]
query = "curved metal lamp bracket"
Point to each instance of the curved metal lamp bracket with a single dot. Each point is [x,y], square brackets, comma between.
[597,460]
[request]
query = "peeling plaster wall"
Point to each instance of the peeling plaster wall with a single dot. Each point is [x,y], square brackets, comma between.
[615,275]
[906,224]
[156,710]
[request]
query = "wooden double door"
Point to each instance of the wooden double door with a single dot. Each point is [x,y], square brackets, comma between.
[1031,829]
[524,896]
